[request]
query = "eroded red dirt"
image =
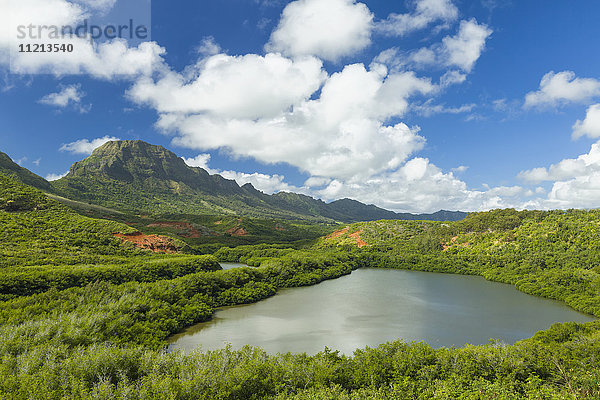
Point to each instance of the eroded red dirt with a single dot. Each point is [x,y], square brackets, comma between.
[337,234]
[155,243]
[355,236]
[237,231]
[359,241]
[452,241]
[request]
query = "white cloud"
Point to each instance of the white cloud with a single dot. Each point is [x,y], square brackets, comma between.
[341,133]
[428,109]
[561,88]
[569,168]
[590,126]
[459,51]
[452,77]
[263,182]
[103,6]
[55,177]
[426,12]
[580,192]
[460,169]
[317,182]
[328,29]
[70,95]
[208,47]
[200,161]
[85,146]
[464,49]
[420,186]
[249,86]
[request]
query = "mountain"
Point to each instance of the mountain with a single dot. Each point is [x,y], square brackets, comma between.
[139,177]
[13,170]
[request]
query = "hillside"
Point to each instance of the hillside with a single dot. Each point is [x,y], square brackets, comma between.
[83,315]
[13,170]
[137,177]
[554,254]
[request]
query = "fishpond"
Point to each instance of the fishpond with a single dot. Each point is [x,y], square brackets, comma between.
[372,306]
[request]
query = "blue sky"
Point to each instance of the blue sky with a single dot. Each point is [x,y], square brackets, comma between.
[410,105]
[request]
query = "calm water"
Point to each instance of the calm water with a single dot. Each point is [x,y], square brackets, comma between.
[232,265]
[373,306]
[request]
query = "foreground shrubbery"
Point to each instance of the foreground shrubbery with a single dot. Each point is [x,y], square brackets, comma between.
[85,317]
[560,363]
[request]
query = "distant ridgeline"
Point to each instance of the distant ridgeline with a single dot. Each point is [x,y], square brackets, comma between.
[134,176]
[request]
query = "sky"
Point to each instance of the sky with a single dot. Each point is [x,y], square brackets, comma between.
[414,106]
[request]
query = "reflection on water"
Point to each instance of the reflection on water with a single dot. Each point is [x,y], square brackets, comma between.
[373,306]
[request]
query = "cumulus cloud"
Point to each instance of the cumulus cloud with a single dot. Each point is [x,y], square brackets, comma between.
[263,182]
[580,192]
[464,49]
[208,47]
[70,95]
[249,86]
[590,126]
[340,133]
[425,13]
[460,51]
[569,168]
[328,29]
[420,186]
[200,161]
[85,146]
[55,177]
[557,89]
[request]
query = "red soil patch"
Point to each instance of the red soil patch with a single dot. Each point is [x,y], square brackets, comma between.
[218,222]
[279,228]
[355,236]
[337,234]
[237,231]
[446,246]
[359,241]
[187,230]
[155,243]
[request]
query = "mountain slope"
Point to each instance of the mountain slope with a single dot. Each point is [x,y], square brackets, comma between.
[139,177]
[13,170]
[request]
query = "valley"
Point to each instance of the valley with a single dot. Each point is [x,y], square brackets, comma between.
[87,314]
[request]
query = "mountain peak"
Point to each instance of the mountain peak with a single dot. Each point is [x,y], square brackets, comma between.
[13,170]
[133,174]
[135,160]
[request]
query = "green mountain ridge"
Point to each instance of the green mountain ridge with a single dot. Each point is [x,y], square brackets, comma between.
[13,170]
[138,177]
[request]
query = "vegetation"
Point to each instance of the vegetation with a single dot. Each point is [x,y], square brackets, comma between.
[13,170]
[139,178]
[83,315]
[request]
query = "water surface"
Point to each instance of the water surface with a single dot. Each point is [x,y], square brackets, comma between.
[373,306]
[232,265]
